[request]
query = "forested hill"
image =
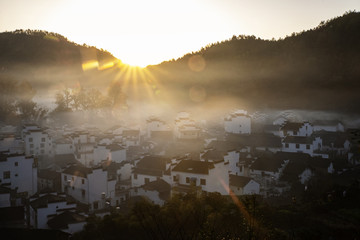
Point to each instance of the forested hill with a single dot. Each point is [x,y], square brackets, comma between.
[44,58]
[314,69]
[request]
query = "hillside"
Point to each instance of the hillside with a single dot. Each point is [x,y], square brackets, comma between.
[45,59]
[315,69]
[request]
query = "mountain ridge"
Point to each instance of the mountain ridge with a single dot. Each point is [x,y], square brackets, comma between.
[316,69]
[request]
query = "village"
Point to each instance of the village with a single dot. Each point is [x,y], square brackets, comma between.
[54,177]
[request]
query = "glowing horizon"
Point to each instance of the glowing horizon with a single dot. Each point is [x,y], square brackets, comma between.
[142,33]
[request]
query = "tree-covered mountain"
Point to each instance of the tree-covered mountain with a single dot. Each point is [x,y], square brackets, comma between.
[314,69]
[45,59]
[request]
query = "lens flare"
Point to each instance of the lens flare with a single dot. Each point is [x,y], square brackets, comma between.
[196,63]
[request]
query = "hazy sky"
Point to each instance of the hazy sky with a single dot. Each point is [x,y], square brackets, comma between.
[141,32]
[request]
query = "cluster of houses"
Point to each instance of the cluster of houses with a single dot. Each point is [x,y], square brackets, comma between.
[51,178]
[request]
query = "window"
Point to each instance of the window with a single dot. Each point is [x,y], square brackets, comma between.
[65,177]
[6,175]
[31,145]
[135,176]
[307,146]
[30,139]
[96,205]
[286,145]
[42,151]
[241,168]
[187,180]
[16,164]
[42,145]
[175,179]
[72,178]
[16,175]
[202,181]
[297,145]
[147,180]
[31,152]
[83,193]
[83,181]
[42,139]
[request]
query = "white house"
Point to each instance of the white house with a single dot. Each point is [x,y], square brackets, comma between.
[337,143]
[241,185]
[37,141]
[157,191]
[18,172]
[63,146]
[131,137]
[309,145]
[232,157]
[46,206]
[83,144]
[149,169]
[87,185]
[209,176]
[238,122]
[267,169]
[185,127]
[154,124]
[301,129]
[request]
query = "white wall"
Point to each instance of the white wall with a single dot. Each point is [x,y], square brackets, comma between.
[251,188]
[38,143]
[42,213]
[138,180]
[238,123]
[23,176]
[153,196]
[125,172]
[63,148]
[118,155]
[233,159]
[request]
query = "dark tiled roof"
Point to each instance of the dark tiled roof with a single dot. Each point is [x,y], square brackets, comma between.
[225,145]
[114,147]
[48,174]
[214,155]
[43,201]
[79,171]
[191,166]
[158,185]
[238,181]
[298,139]
[151,165]
[256,140]
[62,220]
[332,138]
[291,126]
[268,162]
[4,189]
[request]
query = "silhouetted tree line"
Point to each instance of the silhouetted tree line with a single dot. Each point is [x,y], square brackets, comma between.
[16,102]
[82,99]
[313,69]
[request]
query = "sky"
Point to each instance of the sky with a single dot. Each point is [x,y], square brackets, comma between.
[147,32]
